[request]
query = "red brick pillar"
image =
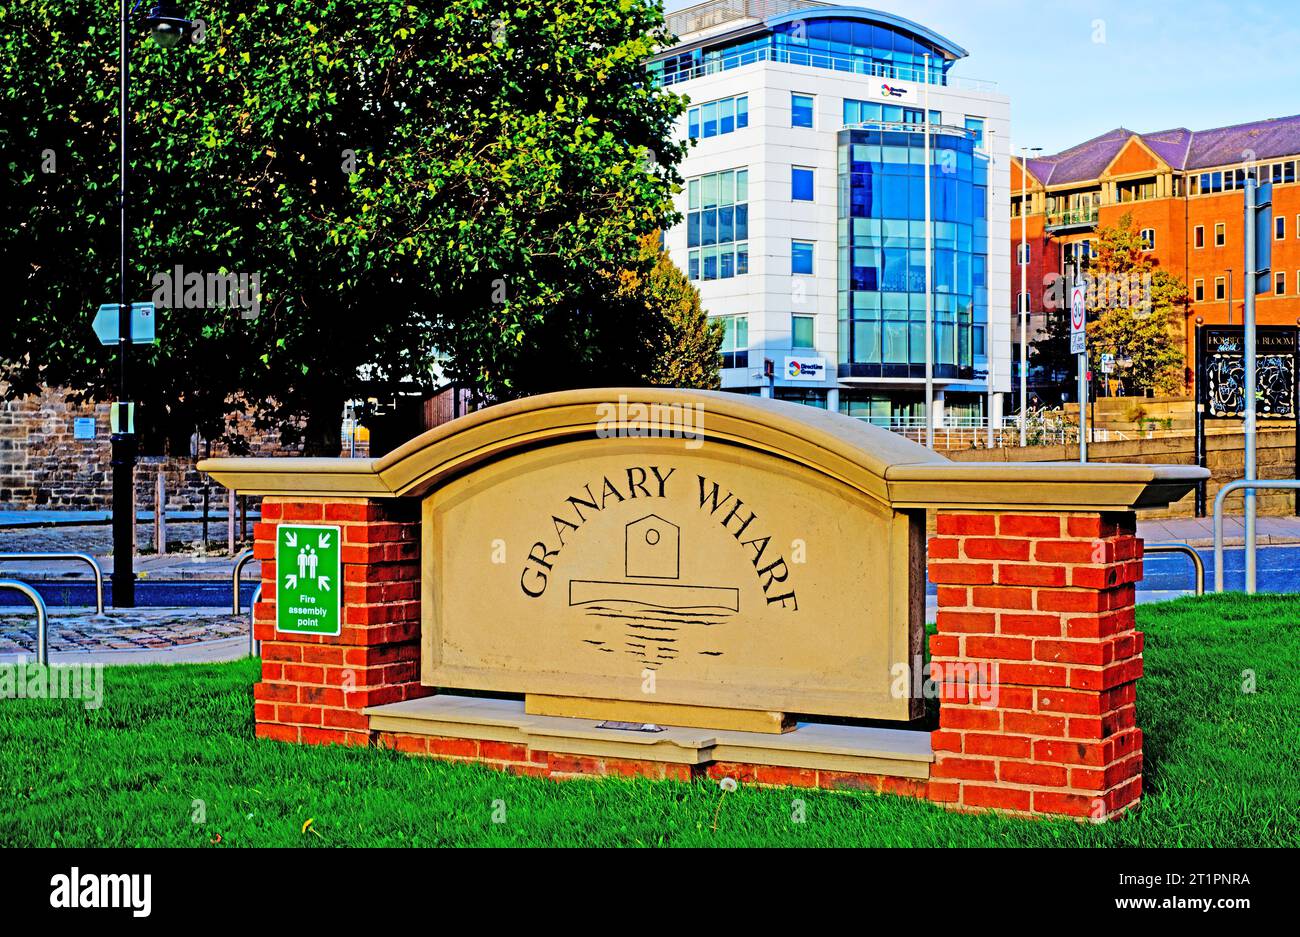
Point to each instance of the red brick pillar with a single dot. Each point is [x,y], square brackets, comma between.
[1038,608]
[314,686]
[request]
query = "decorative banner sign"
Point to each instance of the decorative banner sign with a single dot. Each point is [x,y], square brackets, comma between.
[308,579]
[1222,371]
[805,369]
[1078,320]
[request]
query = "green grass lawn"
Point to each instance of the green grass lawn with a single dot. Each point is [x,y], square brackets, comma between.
[1221,770]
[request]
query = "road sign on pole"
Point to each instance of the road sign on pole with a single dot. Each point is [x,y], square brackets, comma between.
[1078,320]
[308,579]
[143,324]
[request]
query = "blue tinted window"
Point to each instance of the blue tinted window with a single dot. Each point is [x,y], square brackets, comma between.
[715,118]
[710,120]
[721,220]
[801,257]
[801,110]
[976,124]
[727,115]
[801,184]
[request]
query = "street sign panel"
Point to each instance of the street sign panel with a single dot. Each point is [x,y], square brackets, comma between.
[308,572]
[143,320]
[1107,363]
[1078,320]
[1263,238]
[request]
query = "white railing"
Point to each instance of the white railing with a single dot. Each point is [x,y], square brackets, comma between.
[973,432]
[833,62]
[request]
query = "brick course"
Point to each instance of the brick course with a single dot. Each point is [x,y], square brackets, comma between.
[1036,681]
[1055,723]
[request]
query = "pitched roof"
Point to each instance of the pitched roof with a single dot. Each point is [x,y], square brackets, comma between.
[1181,148]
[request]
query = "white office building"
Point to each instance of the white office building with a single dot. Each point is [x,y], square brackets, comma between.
[805,208]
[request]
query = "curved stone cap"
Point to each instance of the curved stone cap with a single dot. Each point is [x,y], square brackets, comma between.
[882,464]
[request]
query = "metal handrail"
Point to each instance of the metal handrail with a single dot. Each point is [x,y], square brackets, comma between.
[42,617]
[241,560]
[81,557]
[1284,484]
[1197,563]
[254,645]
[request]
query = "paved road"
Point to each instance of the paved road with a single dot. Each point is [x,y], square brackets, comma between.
[136,636]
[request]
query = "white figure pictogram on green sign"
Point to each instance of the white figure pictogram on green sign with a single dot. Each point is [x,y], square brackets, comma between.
[307,564]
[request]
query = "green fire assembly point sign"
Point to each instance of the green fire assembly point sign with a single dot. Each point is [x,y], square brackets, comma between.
[308,579]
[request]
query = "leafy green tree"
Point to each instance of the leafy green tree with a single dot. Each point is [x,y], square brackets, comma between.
[1135,311]
[1144,326]
[452,183]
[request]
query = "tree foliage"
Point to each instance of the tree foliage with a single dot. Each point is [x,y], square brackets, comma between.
[1135,311]
[681,345]
[451,183]
[1147,331]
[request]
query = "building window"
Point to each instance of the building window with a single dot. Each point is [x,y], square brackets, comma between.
[976,126]
[1022,254]
[801,257]
[1219,292]
[1279,283]
[1220,234]
[861,112]
[718,117]
[1148,236]
[1279,228]
[1198,236]
[717,225]
[1284,172]
[801,184]
[735,341]
[801,110]
[1022,302]
[1198,290]
[801,331]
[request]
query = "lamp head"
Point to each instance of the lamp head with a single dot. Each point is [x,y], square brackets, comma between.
[168,24]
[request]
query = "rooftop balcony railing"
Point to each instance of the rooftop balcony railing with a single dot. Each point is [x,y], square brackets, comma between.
[1072,218]
[834,62]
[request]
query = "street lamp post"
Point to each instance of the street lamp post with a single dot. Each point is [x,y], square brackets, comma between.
[168,26]
[1023,299]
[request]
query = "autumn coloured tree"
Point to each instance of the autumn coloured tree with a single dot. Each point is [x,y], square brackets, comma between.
[1136,311]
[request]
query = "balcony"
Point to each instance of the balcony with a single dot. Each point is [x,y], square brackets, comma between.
[833,61]
[1072,219]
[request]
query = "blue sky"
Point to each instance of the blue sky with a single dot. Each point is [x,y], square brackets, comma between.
[1159,64]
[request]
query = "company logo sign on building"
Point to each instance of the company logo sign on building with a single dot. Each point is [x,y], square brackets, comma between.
[805,369]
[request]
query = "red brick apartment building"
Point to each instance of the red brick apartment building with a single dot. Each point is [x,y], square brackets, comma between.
[1183,189]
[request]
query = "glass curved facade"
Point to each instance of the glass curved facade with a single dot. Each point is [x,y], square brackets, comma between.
[881,289]
[839,43]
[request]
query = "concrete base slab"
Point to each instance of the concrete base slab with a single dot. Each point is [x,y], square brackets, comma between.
[817,746]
